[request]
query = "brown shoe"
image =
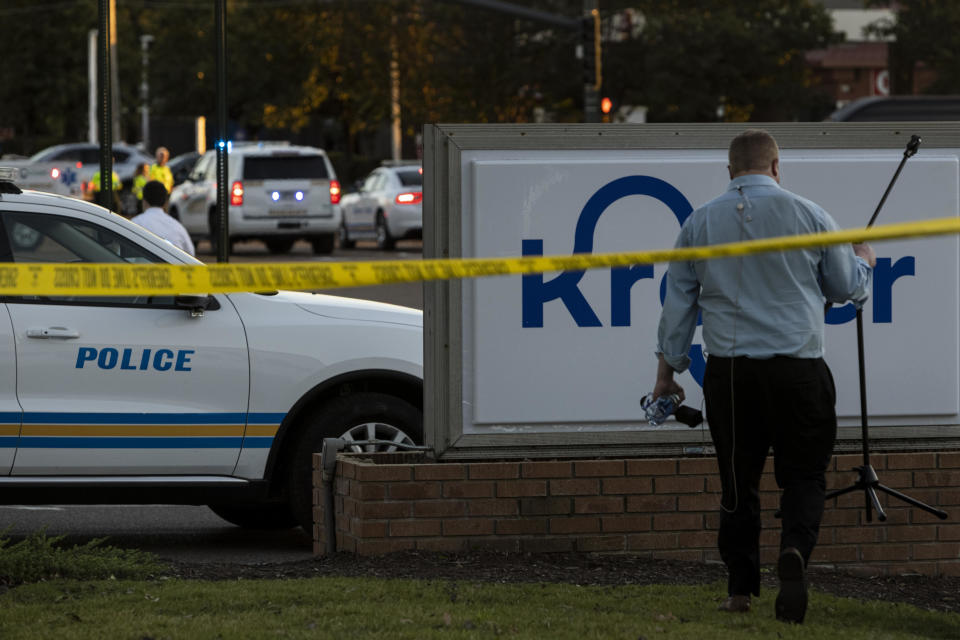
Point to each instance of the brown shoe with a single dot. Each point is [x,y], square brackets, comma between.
[735,604]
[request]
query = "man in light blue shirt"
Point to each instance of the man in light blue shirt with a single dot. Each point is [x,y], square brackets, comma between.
[766,384]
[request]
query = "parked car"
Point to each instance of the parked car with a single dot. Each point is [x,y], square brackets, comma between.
[387,206]
[217,399]
[899,108]
[278,192]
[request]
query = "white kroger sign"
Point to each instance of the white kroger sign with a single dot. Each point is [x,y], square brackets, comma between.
[575,350]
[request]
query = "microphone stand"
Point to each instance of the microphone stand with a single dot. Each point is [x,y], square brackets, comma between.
[867,479]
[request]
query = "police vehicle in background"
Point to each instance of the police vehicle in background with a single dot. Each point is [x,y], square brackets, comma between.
[214,399]
[387,206]
[279,193]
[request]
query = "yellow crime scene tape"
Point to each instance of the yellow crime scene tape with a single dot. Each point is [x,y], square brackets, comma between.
[168,279]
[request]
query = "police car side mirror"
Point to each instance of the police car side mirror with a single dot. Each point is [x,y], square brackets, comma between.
[196,304]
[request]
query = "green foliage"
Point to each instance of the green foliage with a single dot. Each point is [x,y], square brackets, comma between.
[376,608]
[39,557]
[925,31]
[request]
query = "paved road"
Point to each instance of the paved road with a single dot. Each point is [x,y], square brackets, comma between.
[196,534]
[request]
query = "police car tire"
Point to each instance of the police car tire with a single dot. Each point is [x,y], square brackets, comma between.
[256,516]
[385,241]
[345,241]
[323,245]
[333,420]
[279,245]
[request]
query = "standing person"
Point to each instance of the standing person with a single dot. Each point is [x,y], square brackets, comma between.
[116,185]
[155,218]
[766,383]
[160,171]
[140,177]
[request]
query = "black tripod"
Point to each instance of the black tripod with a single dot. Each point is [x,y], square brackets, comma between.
[867,479]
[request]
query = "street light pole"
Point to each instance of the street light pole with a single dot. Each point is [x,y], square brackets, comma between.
[145,41]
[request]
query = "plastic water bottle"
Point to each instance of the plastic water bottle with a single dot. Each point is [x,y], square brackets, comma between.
[657,412]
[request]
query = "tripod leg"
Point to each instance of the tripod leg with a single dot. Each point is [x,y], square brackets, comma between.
[871,496]
[913,501]
[839,492]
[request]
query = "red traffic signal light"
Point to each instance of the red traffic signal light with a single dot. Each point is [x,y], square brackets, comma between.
[606,105]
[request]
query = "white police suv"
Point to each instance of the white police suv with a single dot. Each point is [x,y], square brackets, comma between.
[278,192]
[217,399]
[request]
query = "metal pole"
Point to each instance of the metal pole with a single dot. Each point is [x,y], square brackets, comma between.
[92,84]
[106,134]
[222,229]
[145,41]
[591,102]
[114,74]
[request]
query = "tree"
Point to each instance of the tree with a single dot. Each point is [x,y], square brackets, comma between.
[927,32]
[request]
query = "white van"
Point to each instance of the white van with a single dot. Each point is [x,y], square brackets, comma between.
[278,193]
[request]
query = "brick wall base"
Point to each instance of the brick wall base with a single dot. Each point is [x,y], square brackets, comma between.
[655,507]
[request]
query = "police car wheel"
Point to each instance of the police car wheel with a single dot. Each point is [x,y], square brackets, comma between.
[384,240]
[278,245]
[345,241]
[322,245]
[360,416]
[256,516]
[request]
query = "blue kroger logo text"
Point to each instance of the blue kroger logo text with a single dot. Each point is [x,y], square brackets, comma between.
[566,286]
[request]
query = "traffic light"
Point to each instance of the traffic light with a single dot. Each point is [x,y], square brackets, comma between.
[606,105]
[590,44]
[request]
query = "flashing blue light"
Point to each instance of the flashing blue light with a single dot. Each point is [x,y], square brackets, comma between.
[275,196]
[299,196]
[221,144]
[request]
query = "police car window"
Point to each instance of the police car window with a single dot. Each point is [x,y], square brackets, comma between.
[201,169]
[57,239]
[373,182]
[411,178]
[283,167]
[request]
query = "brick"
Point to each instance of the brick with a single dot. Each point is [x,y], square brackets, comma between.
[933,479]
[439,508]
[468,527]
[547,545]
[521,526]
[494,507]
[442,545]
[885,552]
[545,506]
[368,528]
[626,524]
[697,466]
[627,485]
[855,535]
[922,533]
[601,543]
[937,551]
[384,472]
[698,502]
[419,528]
[598,468]
[518,488]
[713,484]
[677,521]
[575,487]
[346,469]
[367,490]
[699,539]
[493,470]
[651,467]
[678,484]
[575,524]
[948,460]
[848,461]
[451,471]
[348,507]
[832,554]
[686,555]
[598,504]
[381,510]
[381,546]
[648,541]
[468,489]
[546,469]
[651,503]
[912,568]
[414,490]
[912,461]
[948,532]
[945,568]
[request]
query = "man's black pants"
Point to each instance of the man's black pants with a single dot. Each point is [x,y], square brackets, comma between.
[753,405]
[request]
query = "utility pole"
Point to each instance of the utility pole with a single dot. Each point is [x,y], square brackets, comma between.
[106,133]
[592,80]
[222,229]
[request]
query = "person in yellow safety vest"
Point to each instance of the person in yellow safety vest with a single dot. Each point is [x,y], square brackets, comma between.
[160,172]
[95,189]
[140,177]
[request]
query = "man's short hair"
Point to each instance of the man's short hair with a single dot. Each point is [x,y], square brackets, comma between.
[155,194]
[752,150]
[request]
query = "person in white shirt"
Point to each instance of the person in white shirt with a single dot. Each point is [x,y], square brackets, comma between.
[156,219]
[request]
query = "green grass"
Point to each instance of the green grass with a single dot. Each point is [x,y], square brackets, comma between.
[378,608]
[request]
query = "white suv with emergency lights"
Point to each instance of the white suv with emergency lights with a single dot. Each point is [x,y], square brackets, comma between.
[279,193]
[217,399]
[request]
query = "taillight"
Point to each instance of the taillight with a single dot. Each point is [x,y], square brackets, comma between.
[55,173]
[236,193]
[413,197]
[334,192]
